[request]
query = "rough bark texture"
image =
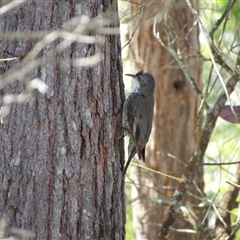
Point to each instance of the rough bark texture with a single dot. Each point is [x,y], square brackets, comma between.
[60,157]
[176,104]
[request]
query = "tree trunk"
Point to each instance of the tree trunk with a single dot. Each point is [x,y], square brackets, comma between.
[173,137]
[61,153]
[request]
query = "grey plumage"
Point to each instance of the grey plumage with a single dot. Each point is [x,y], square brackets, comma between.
[138,115]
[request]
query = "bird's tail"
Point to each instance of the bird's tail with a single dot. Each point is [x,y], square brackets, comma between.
[131,152]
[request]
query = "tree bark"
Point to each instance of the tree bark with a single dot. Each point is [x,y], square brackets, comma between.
[61,153]
[173,137]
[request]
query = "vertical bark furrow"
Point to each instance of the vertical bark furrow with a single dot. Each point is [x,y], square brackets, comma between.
[60,158]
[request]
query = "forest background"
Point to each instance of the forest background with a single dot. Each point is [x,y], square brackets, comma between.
[62,94]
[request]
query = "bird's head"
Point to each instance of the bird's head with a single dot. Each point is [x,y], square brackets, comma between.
[146,82]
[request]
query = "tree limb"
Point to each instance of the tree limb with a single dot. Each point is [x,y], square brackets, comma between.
[197,156]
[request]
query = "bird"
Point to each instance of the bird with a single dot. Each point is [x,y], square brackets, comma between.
[138,115]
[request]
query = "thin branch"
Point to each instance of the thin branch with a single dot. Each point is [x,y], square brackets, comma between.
[223,16]
[214,52]
[228,202]
[142,12]
[179,60]
[75,30]
[219,164]
[10,6]
[72,31]
[233,184]
[197,156]
[176,56]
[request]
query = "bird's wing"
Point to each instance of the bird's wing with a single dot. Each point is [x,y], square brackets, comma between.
[138,120]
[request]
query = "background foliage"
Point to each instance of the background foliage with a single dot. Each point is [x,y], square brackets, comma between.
[221,158]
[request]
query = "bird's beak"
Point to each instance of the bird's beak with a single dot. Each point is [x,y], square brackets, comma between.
[130,75]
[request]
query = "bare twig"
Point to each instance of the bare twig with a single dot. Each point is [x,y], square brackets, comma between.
[176,55]
[180,61]
[10,6]
[82,29]
[233,184]
[215,53]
